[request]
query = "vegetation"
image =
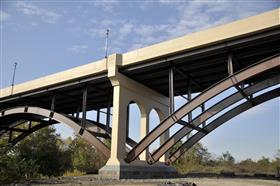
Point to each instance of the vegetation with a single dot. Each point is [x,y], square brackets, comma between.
[198,159]
[45,154]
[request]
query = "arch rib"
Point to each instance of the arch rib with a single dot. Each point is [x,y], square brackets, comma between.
[221,120]
[90,126]
[62,119]
[212,91]
[230,100]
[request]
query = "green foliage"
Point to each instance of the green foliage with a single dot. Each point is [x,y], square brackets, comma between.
[8,165]
[227,158]
[85,158]
[193,160]
[42,149]
[38,154]
[44,153]
[198,159]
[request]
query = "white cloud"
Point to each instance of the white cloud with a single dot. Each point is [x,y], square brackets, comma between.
[4,16]
[126,29]
[107,6]
[32,10]
[127,34]
[78,48]
[193,16]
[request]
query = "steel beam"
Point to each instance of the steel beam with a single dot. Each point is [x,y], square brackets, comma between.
[251,71]
[191,126]
[171,90]
[205,50]
[108,114]
[213,110]
[84,107]
[53,102]
[48,89]
[230,65]
[98,115]
[12,129]
[187,76]
[127,120]
[202,111]
[221,120]
[189,99]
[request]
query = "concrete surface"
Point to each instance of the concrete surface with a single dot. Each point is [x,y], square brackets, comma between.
[240,28]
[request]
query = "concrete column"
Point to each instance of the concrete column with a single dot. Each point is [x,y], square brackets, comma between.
[144,130]
[118,127]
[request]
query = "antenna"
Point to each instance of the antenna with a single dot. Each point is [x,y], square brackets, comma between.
[14,75]
[106,43]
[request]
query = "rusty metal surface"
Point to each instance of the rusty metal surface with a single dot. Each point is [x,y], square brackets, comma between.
[212,91]
[221,120]
[213,110]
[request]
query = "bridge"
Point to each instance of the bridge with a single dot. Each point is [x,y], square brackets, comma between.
[241,59]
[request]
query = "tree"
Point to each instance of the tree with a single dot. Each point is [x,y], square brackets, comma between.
[264,164]
[42,149]
[276,163]
[247,165]
[227,158]
[85,157]
[193,159]
[8,164]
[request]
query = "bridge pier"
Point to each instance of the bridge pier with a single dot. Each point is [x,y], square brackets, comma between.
[126,91]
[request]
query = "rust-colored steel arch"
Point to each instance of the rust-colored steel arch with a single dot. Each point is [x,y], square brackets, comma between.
[231,81]
[220,121]
[213,110]
[61,119]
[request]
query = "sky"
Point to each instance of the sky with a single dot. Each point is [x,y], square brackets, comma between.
[45,37]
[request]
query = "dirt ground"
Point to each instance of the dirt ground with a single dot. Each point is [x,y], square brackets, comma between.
[94,181]
[233,182]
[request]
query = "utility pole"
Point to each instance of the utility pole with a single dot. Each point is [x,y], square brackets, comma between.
[14,75]
[106,44]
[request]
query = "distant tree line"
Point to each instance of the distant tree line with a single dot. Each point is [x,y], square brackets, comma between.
[198,159]
[45,154]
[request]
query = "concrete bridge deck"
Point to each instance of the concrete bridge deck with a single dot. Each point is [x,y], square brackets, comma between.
[201,56]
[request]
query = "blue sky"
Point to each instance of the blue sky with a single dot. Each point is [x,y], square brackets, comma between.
[45,37]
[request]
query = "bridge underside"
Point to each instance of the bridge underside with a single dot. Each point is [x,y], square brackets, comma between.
[200,68]
[246,68]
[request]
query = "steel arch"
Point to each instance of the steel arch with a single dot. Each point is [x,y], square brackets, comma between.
[213,110]
[220,121]
[231,81]
[61,119]
[90,126]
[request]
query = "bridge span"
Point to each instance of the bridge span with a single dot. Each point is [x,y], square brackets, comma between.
[243,56]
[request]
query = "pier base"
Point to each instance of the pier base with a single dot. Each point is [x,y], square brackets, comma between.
[137,170]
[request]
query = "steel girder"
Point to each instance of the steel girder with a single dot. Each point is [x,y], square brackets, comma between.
[220,121]
[231,81]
